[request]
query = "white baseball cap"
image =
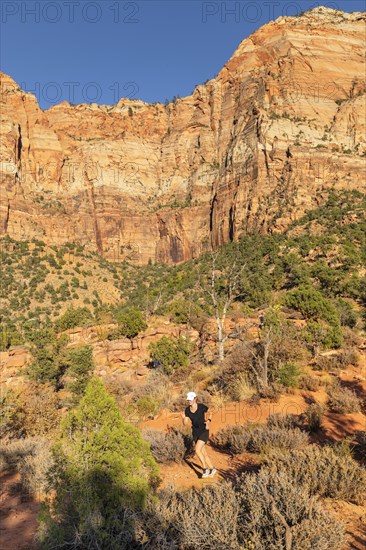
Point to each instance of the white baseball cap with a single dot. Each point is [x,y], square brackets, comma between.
[191,395]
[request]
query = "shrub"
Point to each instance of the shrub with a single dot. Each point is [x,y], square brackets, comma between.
[336,362]
[29,412]
[265,439]
[348,357]
[182,311]
[12,452]
[343,400]
[328,363]
[313,417]
[286,347]
[11,414]
[74,317]
[102,467]
[49,360]
[236,363]
[289,375]
[235,439]
[259,512]
[360,447]
[192,519]
[279,434]
[170,353]
[309,301]
[41,410]
[9,336]
[272,392]
[319,334]
[80,365]
[309,383]
[275,512]
[34,467]
[147,406]
[347,315]
[165,446]
[352,339]
[324,473]
[344,448]
[130,323]
[31,458]
[283,422]
[159,388]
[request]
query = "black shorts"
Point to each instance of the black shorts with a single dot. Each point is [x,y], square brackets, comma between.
[203,436]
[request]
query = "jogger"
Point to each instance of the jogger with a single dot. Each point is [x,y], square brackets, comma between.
[200,418]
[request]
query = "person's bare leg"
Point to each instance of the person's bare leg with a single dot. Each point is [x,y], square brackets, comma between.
[199,447]
[207,458]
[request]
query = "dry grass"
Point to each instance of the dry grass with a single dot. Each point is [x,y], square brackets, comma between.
[146,401]
[241,389]
[203,374]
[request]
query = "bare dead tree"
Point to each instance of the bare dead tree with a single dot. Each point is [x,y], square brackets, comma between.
[222,287]
[152,304]
[259,353]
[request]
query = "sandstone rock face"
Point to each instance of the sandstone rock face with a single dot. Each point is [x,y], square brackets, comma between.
[281,124]
[12,364]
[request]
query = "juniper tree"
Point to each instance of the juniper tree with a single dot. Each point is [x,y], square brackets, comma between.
[103,471]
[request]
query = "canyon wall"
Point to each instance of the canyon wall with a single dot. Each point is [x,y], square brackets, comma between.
[252,149]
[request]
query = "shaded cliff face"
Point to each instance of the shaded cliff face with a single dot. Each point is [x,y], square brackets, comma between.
[280,125]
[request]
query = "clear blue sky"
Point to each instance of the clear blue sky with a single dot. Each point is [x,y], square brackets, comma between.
[85,51]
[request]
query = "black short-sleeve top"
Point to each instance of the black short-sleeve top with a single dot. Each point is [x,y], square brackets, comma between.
[197,418]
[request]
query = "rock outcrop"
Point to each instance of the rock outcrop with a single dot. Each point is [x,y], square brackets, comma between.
[253,149]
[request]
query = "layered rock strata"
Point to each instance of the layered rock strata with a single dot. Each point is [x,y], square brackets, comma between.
[252,149]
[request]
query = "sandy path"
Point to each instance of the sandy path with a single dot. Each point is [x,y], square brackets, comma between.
[17,514]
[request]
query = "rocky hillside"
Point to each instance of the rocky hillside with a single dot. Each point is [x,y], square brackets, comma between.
[254,148]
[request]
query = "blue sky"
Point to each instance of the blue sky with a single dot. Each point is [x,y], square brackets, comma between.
[84,51]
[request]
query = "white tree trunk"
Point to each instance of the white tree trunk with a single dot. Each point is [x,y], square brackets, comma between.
[221,342]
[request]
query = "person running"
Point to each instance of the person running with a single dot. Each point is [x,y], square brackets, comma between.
[200,417]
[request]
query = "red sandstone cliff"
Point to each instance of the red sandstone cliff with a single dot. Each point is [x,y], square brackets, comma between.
[282,123]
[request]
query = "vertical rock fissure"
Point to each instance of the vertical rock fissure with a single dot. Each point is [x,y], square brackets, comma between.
[213,221]
[6,221]
[231,224]
[19,143]
[98,236]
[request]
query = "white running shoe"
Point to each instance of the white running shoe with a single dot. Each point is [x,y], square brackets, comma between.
[212,472]
[206,473]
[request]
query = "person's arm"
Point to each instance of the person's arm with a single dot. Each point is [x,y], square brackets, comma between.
[208,418]
[184,418]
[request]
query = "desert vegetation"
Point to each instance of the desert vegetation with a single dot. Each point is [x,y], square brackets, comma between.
[80,433]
